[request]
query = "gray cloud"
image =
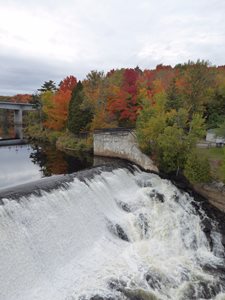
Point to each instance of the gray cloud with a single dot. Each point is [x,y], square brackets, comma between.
[49,39]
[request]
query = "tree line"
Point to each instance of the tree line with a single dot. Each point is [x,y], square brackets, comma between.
[170,107]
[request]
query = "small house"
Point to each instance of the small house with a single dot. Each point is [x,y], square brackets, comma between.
[213,138]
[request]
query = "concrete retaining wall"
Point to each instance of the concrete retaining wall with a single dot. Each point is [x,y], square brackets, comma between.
[121,144]
[12,142]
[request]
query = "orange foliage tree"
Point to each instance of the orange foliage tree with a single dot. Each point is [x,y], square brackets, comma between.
[57,112]
[21,98]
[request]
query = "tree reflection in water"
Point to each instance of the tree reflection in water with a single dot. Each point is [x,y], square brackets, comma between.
[53,161]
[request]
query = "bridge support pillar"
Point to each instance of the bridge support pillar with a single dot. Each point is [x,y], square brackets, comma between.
[18,117]
[18,123]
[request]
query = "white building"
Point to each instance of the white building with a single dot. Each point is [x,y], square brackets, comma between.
[211,137]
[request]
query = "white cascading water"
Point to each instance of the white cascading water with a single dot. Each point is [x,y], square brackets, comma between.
[120,235]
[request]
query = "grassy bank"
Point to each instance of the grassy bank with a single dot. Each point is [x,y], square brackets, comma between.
[36,133]
[69,142]
[63,140]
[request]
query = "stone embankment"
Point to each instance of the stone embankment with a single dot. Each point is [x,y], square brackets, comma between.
[121,143]
[214,192]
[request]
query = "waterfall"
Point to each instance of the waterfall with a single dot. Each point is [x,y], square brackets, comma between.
[116,235]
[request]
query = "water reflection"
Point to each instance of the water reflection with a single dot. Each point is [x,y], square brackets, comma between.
[7,129]
[7,133]
[11,132]
[53,161]
[20,164]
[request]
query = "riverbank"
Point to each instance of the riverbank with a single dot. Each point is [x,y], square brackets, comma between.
[214,192]
[63,140]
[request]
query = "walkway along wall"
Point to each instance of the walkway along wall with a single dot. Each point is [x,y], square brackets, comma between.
[121,143]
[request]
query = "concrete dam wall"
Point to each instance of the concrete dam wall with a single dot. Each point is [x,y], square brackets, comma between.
[121,143]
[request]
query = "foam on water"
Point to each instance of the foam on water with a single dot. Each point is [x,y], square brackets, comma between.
[116,236]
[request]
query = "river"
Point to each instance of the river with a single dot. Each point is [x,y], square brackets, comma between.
[108,233]
[25,163]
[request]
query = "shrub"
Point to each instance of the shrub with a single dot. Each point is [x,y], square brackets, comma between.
[197,168]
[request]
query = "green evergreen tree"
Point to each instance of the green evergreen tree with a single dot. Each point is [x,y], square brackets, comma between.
[78,118]
[48,86]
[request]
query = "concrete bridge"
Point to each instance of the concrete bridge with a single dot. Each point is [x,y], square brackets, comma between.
[18,109]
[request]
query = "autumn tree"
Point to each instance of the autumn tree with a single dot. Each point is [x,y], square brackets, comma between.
[215,109]
[194,85]
[165,74]
[94,90]
[95,98]
[21,98]
[124,105]
[67,84]
[46,104]
[57,111]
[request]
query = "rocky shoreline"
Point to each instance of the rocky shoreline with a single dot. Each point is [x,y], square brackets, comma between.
[214,192]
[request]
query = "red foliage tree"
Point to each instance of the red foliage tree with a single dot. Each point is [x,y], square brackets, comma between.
[68,84]
[124,105]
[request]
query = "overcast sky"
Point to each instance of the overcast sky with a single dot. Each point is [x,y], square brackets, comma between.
[50,39]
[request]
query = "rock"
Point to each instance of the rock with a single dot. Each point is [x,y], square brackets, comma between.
[117,230]
[207,225]
[124,206]
[116,284]
[214,193]
[139,294]
[160,197]
[121,234]
[97,297]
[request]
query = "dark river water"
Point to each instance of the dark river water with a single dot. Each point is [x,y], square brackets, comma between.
[21,164]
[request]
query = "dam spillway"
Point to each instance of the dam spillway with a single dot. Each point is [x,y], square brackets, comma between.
[118,234]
